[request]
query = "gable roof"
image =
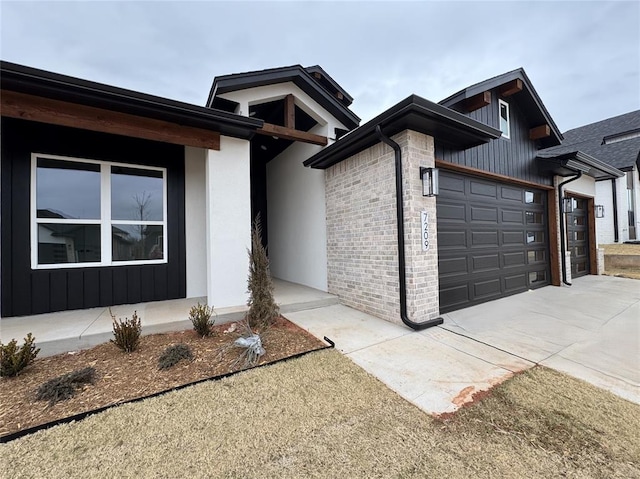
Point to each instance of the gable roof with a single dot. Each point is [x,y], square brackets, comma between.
[33,81]
[317,88]
[529,98]
[598,140]
[413,113]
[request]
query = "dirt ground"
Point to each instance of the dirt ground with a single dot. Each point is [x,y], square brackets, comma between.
[125,376]
[321,416]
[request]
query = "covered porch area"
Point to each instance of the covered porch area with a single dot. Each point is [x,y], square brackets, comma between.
[65,331]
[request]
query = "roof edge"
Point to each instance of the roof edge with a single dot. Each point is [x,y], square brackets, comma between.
[407,114]
[24,79]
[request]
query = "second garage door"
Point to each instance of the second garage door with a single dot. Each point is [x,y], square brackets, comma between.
[492,240]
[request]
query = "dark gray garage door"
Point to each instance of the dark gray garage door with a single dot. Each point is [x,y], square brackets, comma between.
[578,237]
[492,240]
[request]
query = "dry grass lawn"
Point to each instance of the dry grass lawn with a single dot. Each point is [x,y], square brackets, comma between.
[322,416]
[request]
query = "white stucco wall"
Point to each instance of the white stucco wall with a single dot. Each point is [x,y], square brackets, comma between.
[584,186]
[195,221]
[228,222]
[604,226]
[296,218]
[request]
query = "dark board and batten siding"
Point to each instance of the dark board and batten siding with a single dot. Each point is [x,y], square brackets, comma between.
[514,157]
[26,291]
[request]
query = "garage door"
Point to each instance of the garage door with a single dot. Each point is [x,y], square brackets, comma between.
[578,237]
[492,240]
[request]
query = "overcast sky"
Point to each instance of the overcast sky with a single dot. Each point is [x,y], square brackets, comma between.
[582,57]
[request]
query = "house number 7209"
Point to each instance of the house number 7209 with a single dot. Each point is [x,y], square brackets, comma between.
[424,216]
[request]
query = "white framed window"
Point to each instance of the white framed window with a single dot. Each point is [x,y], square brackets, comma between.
[96,213]
[505,123]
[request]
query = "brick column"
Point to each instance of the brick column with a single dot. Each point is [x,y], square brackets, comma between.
[362,252]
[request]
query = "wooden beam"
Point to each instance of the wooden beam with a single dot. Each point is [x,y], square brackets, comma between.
[56,112]
[477,101]
[539,132]
[289,112]
[339,96]
[291,134]
[489,175]
[512,87]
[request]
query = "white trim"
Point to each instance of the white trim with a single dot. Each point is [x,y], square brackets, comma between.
[506,134]
[105,220]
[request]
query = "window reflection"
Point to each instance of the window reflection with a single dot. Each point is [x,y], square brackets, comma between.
[137,242]
[136,194]
[67,189]
[68,243]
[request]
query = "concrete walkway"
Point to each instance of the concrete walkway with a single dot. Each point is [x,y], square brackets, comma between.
[590,331]
[80,329]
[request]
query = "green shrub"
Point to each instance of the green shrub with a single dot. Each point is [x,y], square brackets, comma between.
[173,355]
[14,359]
[65,386]
[200,316]
[263,310]
[127,332]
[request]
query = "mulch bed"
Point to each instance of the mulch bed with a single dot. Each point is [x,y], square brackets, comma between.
[123,376]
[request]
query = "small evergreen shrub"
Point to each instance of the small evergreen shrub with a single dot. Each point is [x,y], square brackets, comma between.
[263,310]
[127,332]
[64,387]
[14,359]
[200,316]
[173,355]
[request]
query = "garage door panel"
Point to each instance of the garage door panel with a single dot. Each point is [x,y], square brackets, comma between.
[492,240]
[487,262]
[483,189]
[513,217]
[513,238]
[452,240]
[511,194]
[515,283]
[517,258]
[451,183]
[482,239]
[453,297]
[452,266]
[451,212]
[484,214]
[487,288]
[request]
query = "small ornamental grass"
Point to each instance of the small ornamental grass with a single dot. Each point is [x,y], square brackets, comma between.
[64,387]
[200,316]
[14,359]
[173,355]
[127,332]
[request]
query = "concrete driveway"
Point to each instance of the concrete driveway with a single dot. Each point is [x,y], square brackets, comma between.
[590,331]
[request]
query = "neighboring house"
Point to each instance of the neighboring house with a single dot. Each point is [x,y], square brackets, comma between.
[158,196]
[615,141]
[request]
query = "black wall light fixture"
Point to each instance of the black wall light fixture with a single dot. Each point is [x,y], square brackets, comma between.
[567,204]
[599,211]
[429,177]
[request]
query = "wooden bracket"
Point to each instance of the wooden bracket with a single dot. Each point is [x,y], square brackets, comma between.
[477,101]
[512,87]
[539,132]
